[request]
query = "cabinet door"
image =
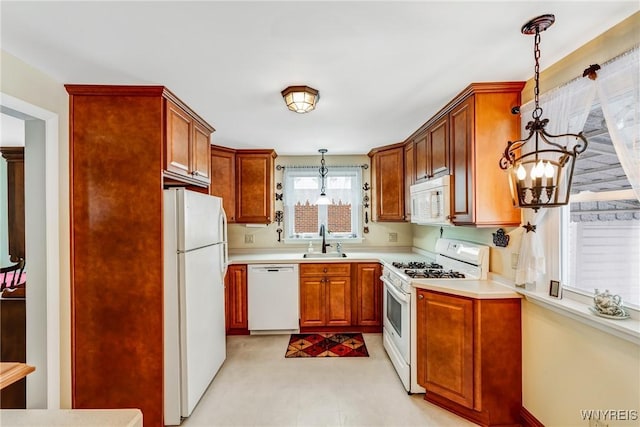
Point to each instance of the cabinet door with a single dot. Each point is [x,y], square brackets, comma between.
[201,157]
[462,192]
[338,301]
[368,295]
[236,283]
[178,140]
[445,346]
[420,144]
[223,180]
[254,185]
[409,177]
[438,148]
[389,189]
[312,305]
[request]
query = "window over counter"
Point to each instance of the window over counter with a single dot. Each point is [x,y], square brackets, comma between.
[303,216]
[601,226]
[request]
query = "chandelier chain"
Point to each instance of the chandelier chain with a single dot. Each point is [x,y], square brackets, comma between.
[537,112]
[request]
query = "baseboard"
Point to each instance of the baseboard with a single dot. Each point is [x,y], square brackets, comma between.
[528,420]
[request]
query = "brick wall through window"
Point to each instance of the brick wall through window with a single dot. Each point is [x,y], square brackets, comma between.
[306,218]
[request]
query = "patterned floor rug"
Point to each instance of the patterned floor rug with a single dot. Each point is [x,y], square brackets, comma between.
[327,345]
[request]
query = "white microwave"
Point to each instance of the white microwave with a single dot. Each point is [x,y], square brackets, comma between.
[431,201]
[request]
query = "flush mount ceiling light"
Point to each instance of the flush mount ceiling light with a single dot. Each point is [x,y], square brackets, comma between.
[540,176]
[300,99]
[323,199]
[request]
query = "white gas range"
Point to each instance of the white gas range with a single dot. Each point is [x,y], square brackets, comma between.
[454,260]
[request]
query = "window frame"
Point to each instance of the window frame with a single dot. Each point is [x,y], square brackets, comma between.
[291,172]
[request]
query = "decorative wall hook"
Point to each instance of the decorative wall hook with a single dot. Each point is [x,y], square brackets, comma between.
[500,238]
[279,231]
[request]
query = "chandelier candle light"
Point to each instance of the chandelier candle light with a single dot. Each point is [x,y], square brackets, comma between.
[541,178]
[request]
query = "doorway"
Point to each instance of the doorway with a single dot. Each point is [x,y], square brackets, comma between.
[42,243]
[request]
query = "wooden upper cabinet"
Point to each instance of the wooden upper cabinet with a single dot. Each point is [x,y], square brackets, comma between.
[438,148]
[466,139]
[187,143]
[223,179]
[409,176]
[254,186]
[420,144]
[387,175]
[462,193]
[432,150]
[481,123]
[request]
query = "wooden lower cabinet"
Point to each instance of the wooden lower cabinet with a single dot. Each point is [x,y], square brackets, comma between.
[469,356]
[368,295]
[236,302]
[325,295]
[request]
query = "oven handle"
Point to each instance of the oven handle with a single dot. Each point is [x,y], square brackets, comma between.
[398,295]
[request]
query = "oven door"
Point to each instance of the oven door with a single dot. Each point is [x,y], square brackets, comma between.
[396,306]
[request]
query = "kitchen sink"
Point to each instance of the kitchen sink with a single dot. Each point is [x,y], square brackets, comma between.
[326,255]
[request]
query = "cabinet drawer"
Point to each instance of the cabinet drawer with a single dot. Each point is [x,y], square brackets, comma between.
[325,269]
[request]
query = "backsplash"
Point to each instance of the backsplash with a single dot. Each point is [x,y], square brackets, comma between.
[501,259]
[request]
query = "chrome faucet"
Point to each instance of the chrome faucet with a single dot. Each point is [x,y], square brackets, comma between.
[324,241]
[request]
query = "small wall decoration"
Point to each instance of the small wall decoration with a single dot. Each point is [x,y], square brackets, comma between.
[279,231]
[278,196]
[279,217]
[500,238]
[279,186]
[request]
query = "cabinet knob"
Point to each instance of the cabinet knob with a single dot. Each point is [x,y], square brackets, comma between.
[195,173]
[420,296]
[451,217]
[324,270]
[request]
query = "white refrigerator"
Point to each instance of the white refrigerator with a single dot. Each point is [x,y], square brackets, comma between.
[195,251]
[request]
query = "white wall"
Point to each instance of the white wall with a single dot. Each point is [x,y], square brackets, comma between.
[41,96]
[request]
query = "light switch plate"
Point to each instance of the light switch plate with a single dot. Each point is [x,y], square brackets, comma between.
[248,238]
[393,237]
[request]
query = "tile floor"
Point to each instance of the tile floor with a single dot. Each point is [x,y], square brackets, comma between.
[257,386]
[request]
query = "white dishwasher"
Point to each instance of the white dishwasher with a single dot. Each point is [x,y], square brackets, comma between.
[273,298]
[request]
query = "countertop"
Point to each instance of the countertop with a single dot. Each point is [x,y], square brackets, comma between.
[71,417]
[478,289]
[297,256]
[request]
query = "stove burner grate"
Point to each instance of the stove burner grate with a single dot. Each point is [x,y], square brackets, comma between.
[434,274]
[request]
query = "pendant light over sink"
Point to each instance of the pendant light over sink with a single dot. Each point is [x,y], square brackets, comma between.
[323,199]
[540,167]
[300,99]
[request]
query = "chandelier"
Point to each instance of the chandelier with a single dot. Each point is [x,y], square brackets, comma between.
[541,177]
[300,99]
[323,199]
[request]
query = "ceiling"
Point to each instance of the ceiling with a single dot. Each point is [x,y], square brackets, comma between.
[382,68]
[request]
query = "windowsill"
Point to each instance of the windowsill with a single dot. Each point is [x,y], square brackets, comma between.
[627,329]
[317,240]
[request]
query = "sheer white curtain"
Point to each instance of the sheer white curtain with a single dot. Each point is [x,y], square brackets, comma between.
[567,108]
[618,86]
